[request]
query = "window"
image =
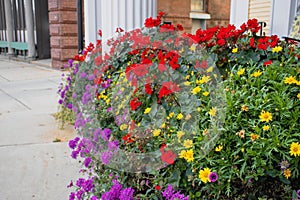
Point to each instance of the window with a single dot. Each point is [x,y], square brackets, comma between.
[198,5]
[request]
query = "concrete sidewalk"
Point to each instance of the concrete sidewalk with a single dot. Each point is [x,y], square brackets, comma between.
[32,166]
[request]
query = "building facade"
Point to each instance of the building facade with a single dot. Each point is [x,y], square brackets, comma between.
[279,15]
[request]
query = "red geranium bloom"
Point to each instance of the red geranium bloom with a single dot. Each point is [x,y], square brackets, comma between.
[148,89]
[140,69]
[134,103]
[167,89]
[98,60]
[179,27]
[269,62]
[127,139]
[157,187]
[167,157]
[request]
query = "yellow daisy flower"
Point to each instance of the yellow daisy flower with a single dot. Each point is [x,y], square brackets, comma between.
[189,155]
[298,96]
[290,80]
[276,49]
[256,74]
[254,137]
[295,149]
[123,127]
[265,116]
[156,132]
[219,148]
[212,112]
[266,128]
[204,175]
[241,71]
[235,50]
[188,143]
[179,116]
[147,110]
[196,90]
[206,93]
[287,173]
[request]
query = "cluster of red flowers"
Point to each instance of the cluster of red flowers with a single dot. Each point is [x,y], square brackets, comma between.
[264,42]
[150,22]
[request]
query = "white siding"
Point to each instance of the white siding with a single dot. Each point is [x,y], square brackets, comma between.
[261,10]
[238,12]
[108,15]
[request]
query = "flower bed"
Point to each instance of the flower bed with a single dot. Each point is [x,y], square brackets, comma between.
[170,115]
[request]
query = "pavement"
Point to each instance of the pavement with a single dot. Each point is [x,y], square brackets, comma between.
[32,165]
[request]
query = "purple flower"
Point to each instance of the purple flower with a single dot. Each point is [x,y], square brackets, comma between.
[70,106]
[284,164]
[91,77]
[88,185]
[87,161]
[94,198]
[79,194]
[298,193]
[127,194]
[213,177]
[74,154]
[97,132]
[70,184]
[171,194]
[82,75]
[106,134]
[73,143]
[74,95]
[60,101]
[80,182]
[113,145]
[106,157]
[109,109]
[106,84]
[72,196]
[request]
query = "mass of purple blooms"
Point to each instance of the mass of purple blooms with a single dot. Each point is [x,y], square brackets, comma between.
[171,194]
[117,192]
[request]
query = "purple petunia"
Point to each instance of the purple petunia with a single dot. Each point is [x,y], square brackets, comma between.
[106,157]
[298,193]
[171,194]
[87,161]
[106,134]
[97,132]
[127,194]
[113,145]
[72,196]
[213,177]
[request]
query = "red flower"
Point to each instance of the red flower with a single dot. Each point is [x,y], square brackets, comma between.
[100,33]
[127,139]
[119,30]
[157,187]
[252,42]
[253,25]
[269,62]
[140,70]
[167,157]
[148,89]
[166,28]
[179,27]
[134,103]
[167,89]
[98,60]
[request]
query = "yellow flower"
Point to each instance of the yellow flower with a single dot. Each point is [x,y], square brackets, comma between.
[156,132]
[147,110]
[297,83]
[287,173]
[298,96]
[123,127]
[295,149]
[171,114]
[188,143]
[254,136]
[182,154]
[198,109]
[256,74]
[196,90]
[245,108]
[219,148]
[206,93]
[210,69]
[204,175]
[189,155]
[163,125]
[193,48]
[276,49]
[265,116]
[205,79]
[204,132]
[212,112]
[290,80]
[235,50]
[266,128]
[180,134]
[107,101]
[179,116]
[187,77]
[241,71]
[187,83]
[242,150]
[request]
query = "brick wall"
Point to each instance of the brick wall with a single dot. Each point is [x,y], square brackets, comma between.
[219,12]
[178,11]
[63,31]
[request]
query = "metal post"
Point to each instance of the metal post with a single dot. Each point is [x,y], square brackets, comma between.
[79,18]
[30,28]
[9,24]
